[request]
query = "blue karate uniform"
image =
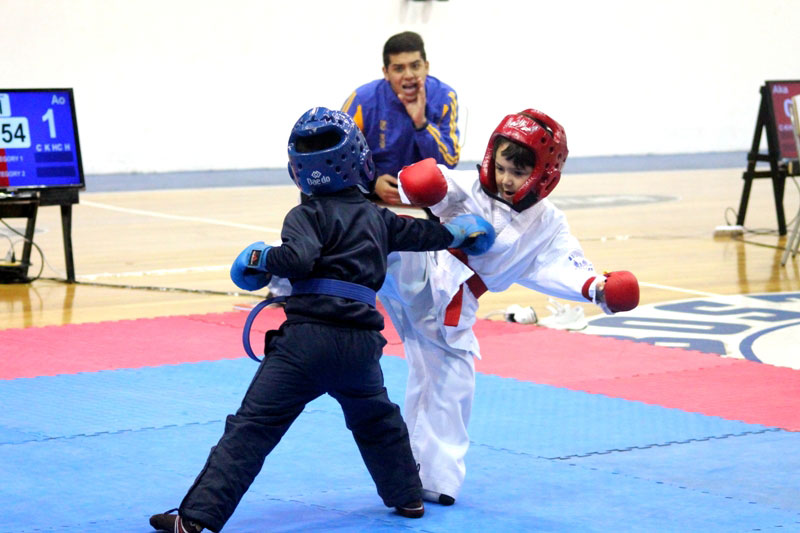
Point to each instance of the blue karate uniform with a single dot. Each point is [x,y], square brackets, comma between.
[328,344]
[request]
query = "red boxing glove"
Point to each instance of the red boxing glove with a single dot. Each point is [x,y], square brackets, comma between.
[423,183]
[621,291]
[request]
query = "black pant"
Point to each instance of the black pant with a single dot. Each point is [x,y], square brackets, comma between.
[303,362]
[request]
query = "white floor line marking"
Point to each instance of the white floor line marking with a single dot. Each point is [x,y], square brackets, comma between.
[157,272]
[177,217]
[678,289]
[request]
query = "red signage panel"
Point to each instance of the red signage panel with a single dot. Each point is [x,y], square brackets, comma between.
[781,93]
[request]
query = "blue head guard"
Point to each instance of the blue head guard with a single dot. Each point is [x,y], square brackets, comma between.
[327,153]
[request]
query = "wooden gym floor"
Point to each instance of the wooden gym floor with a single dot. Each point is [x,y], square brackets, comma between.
[180,242]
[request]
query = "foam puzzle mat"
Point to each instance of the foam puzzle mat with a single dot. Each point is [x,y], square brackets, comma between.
[594,447]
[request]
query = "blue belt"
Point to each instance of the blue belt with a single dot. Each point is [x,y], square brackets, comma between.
[328,287]
[335,287]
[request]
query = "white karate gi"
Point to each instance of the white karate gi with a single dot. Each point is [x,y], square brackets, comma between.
[533,248]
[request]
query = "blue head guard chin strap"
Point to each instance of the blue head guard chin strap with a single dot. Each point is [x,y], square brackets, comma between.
[327,153]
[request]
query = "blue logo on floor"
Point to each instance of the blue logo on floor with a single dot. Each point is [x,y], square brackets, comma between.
[760,327]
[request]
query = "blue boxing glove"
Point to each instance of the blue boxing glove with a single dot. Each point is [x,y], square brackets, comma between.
[471,233]
[249,270]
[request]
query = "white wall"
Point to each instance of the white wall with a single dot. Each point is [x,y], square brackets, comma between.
[164,85]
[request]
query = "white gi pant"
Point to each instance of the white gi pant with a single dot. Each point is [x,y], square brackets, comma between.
[441,378]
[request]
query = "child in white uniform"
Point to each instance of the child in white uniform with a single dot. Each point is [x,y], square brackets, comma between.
[432,297]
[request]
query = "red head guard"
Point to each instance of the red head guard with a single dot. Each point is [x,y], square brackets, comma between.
[542,135]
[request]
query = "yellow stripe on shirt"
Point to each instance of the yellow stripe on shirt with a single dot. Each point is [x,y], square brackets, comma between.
[437,136]
[358,118]
[348,102]
[453,121]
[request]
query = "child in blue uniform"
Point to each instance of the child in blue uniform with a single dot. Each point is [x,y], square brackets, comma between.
[334,251]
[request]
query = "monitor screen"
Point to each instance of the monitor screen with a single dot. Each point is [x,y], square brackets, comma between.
[39,145]
[781,93]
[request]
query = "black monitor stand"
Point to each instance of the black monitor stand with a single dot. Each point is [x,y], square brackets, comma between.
[26,205]
[780,154]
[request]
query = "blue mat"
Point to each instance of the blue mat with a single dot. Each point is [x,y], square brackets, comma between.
[103,451]
[558,423]
[760,469]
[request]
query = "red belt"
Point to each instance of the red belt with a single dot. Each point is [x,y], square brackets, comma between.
[475,284]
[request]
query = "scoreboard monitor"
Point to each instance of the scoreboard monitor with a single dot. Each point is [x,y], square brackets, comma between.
[39,145]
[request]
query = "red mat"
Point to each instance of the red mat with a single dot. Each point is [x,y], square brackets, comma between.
[692,381]
[72,348]
[734,389]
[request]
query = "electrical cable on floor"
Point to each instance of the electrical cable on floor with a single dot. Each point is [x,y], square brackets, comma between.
[156,288]
[762,231]
[524,316]
[10,242]
[63,278]
[38,249]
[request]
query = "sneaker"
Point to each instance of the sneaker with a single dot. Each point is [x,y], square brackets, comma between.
[173,523]
[437,497]
[564,317]
[413,509]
